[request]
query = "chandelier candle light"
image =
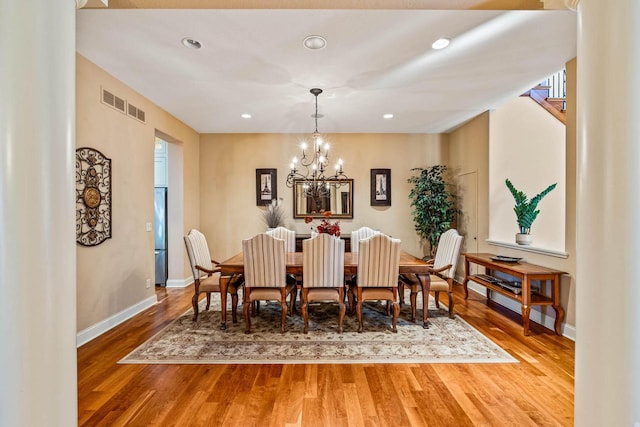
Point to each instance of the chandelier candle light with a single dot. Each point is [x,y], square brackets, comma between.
[310,167]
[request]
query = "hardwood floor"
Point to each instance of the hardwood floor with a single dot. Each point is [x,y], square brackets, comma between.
[538,391]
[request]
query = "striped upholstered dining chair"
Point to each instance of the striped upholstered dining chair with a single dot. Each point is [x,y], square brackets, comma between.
[360,234]
[264,272]
[357,235]
[205,274]
[289,237]
[441,275]
[322,274]
[378,267]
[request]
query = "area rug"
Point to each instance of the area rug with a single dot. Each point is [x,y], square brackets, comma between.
[202,342]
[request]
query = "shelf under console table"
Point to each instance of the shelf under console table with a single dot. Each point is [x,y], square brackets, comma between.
[524,293]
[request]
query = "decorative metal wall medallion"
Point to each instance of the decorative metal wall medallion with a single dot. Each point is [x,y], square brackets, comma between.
[93,197]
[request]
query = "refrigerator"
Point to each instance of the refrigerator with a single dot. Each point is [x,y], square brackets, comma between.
[160,235]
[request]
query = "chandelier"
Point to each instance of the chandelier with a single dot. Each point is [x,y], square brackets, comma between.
[310,167]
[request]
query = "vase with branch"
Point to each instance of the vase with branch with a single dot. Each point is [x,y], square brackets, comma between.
[273,215]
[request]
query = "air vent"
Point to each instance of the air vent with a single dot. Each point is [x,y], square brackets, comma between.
[119,104]
[108,98]
[113,101]
[136,113]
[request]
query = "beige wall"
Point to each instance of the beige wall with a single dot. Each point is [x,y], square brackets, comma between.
[228,200]
[112,277]
[527,145]
[469,151]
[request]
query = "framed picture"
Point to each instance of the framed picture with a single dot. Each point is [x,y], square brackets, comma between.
[266,186]
[380,187]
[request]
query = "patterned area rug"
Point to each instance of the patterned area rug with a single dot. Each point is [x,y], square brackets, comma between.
[202,342]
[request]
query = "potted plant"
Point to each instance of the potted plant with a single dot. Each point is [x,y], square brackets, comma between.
[433,204]
[526,211]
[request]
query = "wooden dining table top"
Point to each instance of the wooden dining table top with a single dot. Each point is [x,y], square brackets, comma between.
[409,264]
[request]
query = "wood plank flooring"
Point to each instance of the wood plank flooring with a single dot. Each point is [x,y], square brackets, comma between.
[538,391]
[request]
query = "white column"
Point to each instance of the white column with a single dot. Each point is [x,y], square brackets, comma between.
[38,381]
[608,214]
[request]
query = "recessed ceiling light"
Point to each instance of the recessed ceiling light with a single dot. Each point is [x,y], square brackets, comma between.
[388,116]
[314,42]
[440,43]
[191,43]
[245,116]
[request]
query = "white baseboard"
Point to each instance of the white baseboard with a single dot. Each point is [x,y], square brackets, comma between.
[180,283]
[100,328]
[547,320]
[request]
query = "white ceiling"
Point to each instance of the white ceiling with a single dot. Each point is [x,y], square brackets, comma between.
[375,62]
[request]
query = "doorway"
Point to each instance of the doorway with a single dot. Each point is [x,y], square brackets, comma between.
[169,174]
[467,205]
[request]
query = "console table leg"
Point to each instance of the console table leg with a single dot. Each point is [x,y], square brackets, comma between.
[559,318]
[466,278]
[526,309]
[556,304]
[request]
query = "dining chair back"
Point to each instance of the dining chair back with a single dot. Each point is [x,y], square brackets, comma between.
[447,253]
[264,271]
[206,275]
[378,268]
[359,234]
[289,237]
[323,274]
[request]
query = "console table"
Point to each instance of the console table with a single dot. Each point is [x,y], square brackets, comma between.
[526,273]
[301,237]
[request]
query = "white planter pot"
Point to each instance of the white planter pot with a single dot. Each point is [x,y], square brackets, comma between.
[524,239]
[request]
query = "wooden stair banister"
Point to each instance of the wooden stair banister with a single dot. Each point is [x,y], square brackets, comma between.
[555,106]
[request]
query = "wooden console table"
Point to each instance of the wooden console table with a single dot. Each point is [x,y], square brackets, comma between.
[301,237]
[526,273]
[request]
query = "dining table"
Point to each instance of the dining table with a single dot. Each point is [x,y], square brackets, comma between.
[409,264]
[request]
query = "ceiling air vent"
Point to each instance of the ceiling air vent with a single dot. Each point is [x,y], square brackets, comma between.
[113,101]
[136,113]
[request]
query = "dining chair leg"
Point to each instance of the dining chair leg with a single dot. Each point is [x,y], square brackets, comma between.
[342,310]
[352,299]
[436,296]
[208,301]
[234,306]
[194,303]
[451,316]
[283,304]
[396,313]
[359,309]
[292,299]
[305,309]
[246,308]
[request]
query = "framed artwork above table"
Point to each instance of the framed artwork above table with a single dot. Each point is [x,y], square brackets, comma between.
[266,186]
[380,187]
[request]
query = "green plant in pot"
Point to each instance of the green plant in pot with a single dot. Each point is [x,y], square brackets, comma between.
[433,203]
[526,211]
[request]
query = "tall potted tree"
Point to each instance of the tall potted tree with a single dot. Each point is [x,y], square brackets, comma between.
[433,203]
[526,211]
